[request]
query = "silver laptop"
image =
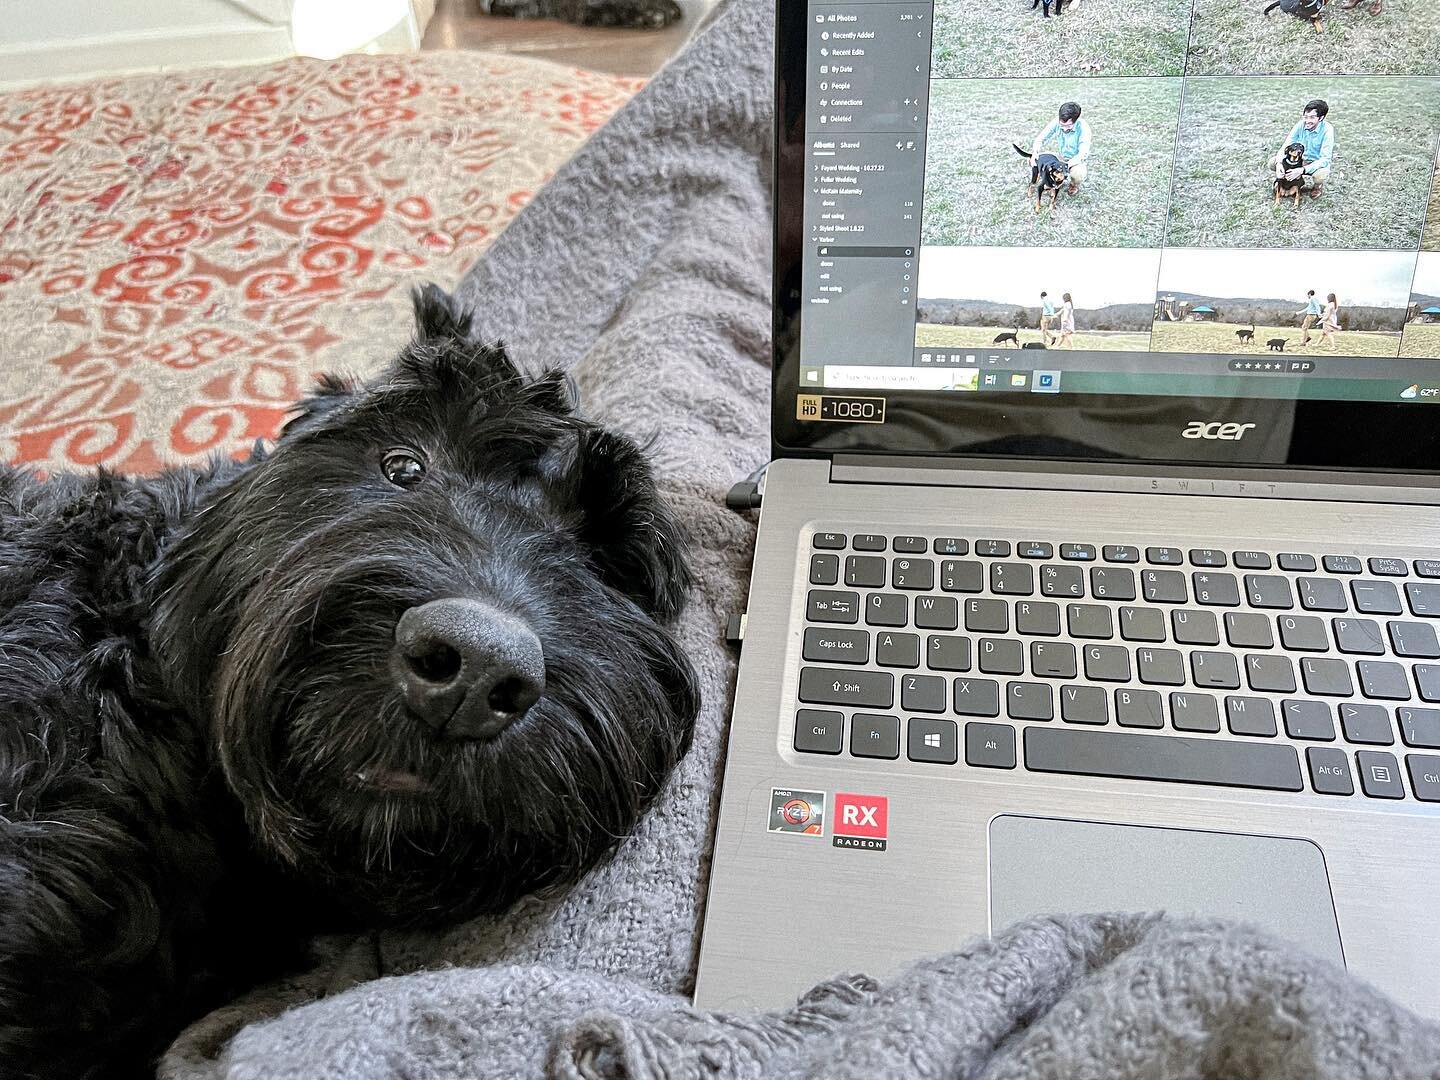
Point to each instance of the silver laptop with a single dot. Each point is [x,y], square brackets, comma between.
[1098,565]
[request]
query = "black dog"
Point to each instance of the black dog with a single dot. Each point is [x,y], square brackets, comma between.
[639,14]
[1276,344]
[1047,176]
[1302,9]
[404,668]
[1059,6]
[1246,337]
[1033,345]
[1009,337]
[1292,157]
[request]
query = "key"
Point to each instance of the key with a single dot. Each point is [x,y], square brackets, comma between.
[1427,567]
[909,545]
[1427,678]
[993,549]
[1272,766]
[922,693]
[818,731]
[999,656]
[874,736]
[912,574]
[1083,705]
[1122,553]
[1424,776]
[1194,712]
[1383,679]
[1326,678]
[1107,663]
[1250,716]
[835,686]
[887,609]
[836,646]
[1424,598]
[1366,724]
[1215,670]
[1091,621]
[977,697]
[1034,549]
[1270,674]
[1342,564]
[1062,580]
[1302,633]
[1308,720]
[827,606]
[870,542]
[983,616]
[1012,579]
[990,746]
[1389,568]
[1419,727]
[1376,597]
[1321,594]
[1251,560]
[1164,556]
[1216,590]
[1303,564]
[1029,701]
[897,650]
[1246,630]
[865,571]
[1414,639]
[1138,708]
[959,576]
[824,569]
[937,612]
[1360,636]
[829,540]
[940,748]
[1142,624]
[951,545]
[1207,557]
[946,653]
[1112,583]
[1165,667]
[1379,774]
[1268,591]
[1164,586]
[1037,618]
[1078,552]
[1052,659]
[1191,627]
[1329,771]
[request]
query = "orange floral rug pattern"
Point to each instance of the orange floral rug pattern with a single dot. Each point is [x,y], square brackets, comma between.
[180,254]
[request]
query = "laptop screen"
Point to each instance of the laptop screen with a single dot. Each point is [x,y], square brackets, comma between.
[1222,209]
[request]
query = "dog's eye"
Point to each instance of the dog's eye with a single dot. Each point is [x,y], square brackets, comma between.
[403,468]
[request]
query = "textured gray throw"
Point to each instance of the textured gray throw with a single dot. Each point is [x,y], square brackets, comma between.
[643,268]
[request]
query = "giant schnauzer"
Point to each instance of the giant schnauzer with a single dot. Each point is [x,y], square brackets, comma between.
[404,668]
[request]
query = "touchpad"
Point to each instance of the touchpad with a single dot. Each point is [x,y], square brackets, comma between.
[1045,866]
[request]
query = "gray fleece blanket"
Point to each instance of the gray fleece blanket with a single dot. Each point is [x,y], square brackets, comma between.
[643,268]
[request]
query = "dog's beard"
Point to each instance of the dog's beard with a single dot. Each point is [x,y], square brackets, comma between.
[340,781]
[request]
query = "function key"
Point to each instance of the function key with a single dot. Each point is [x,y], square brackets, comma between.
[1078,552]
[1122,553]
[1251,560]
[828,541]
[1034,549]
[994,549]
[1207,557]
[909,545]
[951,545]
[1305,564]
[1164,556]
[1389,568]
[1427,567]
[1343,564]
[870,542]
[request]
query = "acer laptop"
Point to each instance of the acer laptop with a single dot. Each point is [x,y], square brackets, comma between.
[1098,564]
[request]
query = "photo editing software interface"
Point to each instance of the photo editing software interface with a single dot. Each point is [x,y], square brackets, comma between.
[1196,197]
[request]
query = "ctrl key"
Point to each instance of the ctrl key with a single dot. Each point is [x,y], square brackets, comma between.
[819,731]
[1424,776]
[990,746]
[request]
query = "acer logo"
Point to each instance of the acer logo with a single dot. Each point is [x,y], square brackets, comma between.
[1199,429]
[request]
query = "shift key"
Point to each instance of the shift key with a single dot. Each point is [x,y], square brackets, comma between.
[836,686]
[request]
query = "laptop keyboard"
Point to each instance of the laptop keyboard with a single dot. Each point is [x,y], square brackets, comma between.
[1284,671]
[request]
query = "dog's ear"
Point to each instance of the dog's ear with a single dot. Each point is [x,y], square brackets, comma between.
[330,392]
[637,545]
[437,317]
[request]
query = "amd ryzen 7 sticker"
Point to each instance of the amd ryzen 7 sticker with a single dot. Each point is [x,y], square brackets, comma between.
[797,811]
[861,821]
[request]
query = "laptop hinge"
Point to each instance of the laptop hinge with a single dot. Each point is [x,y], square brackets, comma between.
[1252,483]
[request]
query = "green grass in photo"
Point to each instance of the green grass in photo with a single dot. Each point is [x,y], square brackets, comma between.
[1221,338]
[1421,340]
[978,337]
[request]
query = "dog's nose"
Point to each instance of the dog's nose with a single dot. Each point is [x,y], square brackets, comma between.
[468,670]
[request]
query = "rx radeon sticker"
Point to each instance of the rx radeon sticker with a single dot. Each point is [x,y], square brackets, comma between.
[797,811]
[861,821]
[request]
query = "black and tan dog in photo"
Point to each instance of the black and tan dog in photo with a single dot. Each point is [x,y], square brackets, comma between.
[1058,5]
[1247,337]
[1302,9]
[405,667]
[1048,174]
[1292,158]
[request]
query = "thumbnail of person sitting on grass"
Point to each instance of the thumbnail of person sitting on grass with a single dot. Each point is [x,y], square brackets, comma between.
[1047,316]
[1317,136]
[1309,316]
[1072,143]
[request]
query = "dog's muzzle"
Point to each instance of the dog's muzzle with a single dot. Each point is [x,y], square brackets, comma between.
[467,670]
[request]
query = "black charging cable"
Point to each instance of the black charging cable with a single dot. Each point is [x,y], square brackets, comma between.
[748,493]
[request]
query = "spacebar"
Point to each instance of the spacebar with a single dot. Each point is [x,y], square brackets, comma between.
[1163,757]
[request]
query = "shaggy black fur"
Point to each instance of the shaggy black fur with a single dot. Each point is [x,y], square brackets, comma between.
[204,753]
[639,14]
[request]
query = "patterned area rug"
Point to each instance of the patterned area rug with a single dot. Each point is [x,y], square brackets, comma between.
[180,254]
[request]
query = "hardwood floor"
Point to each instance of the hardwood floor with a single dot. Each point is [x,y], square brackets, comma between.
[457,24]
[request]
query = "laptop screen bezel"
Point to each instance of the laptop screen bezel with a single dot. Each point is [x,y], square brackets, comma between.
[1387,437]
